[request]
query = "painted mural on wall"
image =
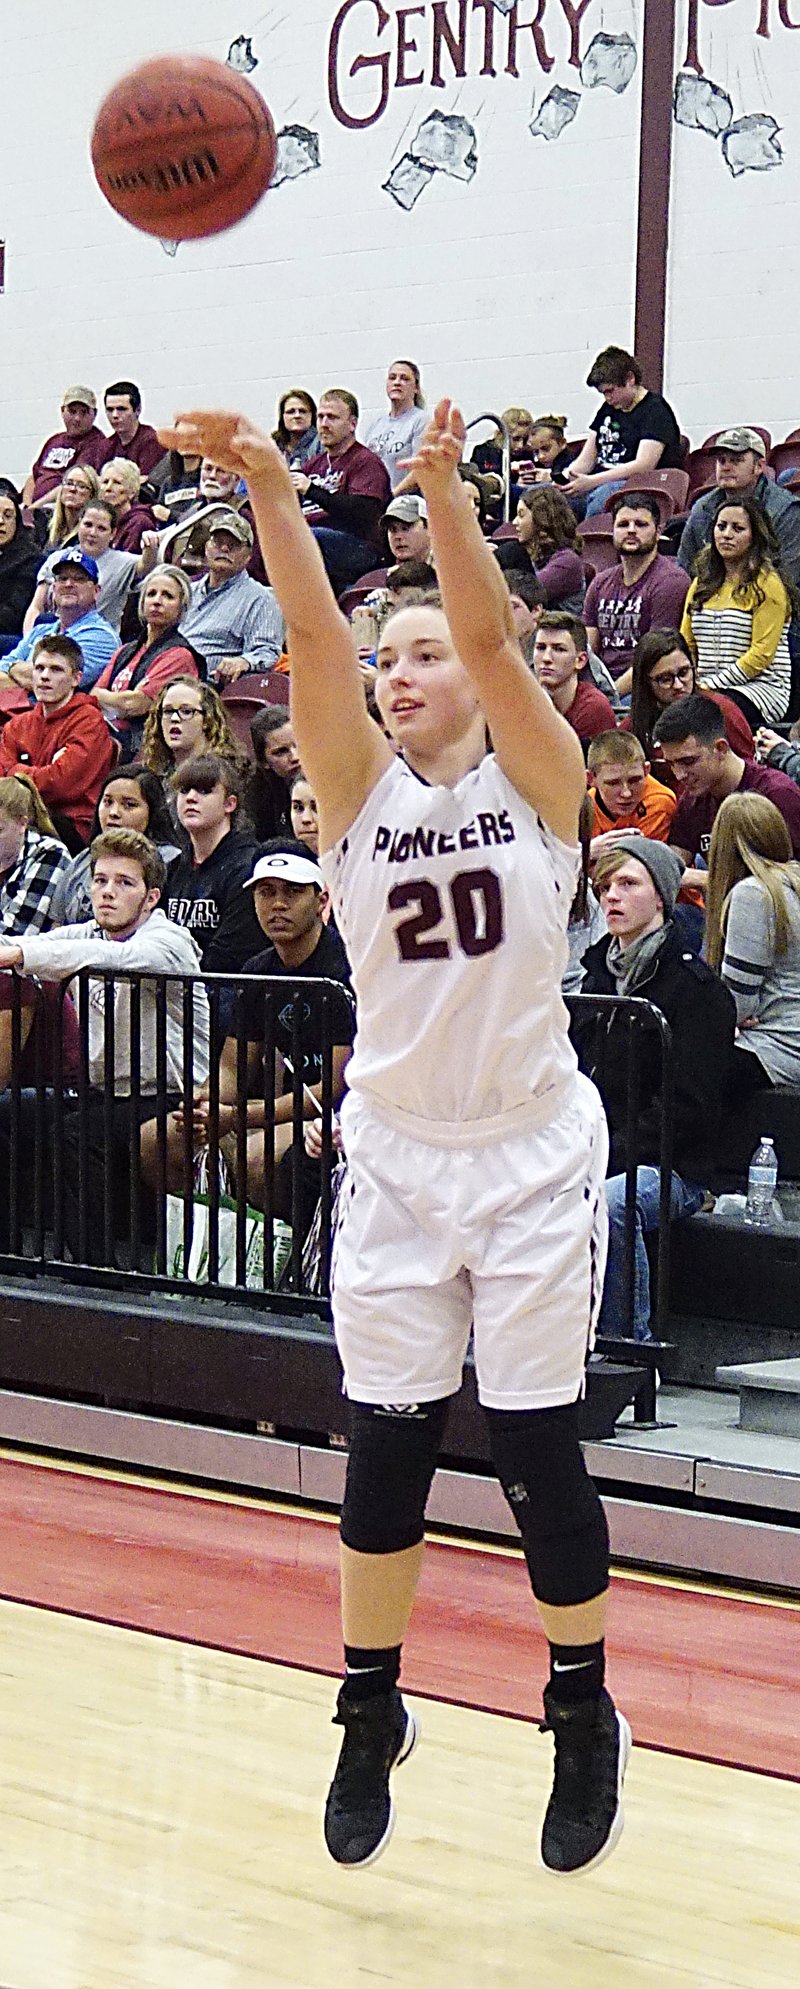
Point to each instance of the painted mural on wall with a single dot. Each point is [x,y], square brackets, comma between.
[748,135]
[437,44]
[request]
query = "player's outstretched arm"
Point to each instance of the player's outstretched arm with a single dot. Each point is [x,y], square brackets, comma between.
[536,748]
[342,751]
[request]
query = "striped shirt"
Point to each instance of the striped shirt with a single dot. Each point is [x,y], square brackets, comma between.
[742,645]
[763,982]
[240,618]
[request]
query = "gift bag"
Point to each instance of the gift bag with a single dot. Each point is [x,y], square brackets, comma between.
[197,1270]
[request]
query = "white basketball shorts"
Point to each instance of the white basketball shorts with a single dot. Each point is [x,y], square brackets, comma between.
[508,1238]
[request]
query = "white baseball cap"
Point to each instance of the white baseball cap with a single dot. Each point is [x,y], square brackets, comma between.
[284,863]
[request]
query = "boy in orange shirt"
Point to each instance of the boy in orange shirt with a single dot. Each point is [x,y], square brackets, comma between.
[626,796]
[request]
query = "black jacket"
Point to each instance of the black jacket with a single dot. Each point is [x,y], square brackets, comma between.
[701,1014]
[19,569]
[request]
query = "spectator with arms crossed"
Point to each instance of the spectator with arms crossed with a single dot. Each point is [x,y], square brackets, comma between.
[344,492]
[636,431]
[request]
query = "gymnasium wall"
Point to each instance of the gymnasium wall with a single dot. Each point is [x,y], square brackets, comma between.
[458,185]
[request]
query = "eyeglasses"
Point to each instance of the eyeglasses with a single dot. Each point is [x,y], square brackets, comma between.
[181,711]
[667,678]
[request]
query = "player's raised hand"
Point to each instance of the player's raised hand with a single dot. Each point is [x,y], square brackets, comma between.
[440,450]
[231,441]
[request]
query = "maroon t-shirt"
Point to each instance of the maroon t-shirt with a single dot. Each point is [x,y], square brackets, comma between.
[48,1016]
[357,473]
[59,451]
[145,450]
[590,713]
[623,614]
[127,536]
[693,821]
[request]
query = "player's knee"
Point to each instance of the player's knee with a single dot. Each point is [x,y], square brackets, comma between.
[390,1467]
[539,1462]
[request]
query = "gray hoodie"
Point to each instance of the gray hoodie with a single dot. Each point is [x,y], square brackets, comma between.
[158,947]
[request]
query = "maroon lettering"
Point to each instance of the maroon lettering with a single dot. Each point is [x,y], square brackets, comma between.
[517,27]
[784,16]
[455,41]
[379,62]
[487,8]
[406,45]
[574,16]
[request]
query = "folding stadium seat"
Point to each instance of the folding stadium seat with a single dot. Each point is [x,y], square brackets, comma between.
[247,696]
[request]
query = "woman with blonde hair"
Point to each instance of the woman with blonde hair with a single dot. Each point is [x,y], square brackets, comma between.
[187,718]
[80,484]
[753,938]
[547,536]
[120,483]
[32,857]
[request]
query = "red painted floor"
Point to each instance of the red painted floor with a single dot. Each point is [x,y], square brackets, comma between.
[712,1677]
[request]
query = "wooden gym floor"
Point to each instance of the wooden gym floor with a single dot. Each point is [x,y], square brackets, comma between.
[165,1743]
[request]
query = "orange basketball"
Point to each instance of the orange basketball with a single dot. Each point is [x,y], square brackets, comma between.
[183,147]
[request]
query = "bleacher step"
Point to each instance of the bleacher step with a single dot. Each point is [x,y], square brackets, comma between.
[769,1395]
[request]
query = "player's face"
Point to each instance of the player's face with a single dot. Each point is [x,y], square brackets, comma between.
[631,902]
[620,787]
[285,912]
[423,692]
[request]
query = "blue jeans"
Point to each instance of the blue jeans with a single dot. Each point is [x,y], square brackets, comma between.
[686,1199]
[345,556]
[599,499]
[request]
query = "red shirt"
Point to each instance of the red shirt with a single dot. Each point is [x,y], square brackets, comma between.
[128,534]
[59,452]
[67,753]
[737,732]
[176,661]
[693,821]
[358,472]
[145,450]
[590,713]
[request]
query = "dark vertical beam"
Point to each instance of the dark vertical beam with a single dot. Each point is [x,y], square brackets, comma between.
[655,159]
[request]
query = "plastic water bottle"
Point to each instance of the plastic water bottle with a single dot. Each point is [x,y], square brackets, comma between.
[762,1181]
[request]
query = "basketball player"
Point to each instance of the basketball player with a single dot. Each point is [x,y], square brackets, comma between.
[476,1151]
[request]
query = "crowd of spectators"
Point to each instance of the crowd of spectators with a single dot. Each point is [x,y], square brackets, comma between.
[153,811]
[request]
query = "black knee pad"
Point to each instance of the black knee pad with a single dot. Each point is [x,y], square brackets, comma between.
[390,1468]
[539,1461]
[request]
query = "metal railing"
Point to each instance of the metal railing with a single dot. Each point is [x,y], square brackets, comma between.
[80,1196]
[506,472]
[639,1018]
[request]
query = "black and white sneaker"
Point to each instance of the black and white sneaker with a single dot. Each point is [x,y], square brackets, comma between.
[379,1734]
[584,1816]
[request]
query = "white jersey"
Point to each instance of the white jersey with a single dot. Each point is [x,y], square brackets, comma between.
[453,905]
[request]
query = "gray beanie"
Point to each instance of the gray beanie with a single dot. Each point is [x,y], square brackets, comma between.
[666,867]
